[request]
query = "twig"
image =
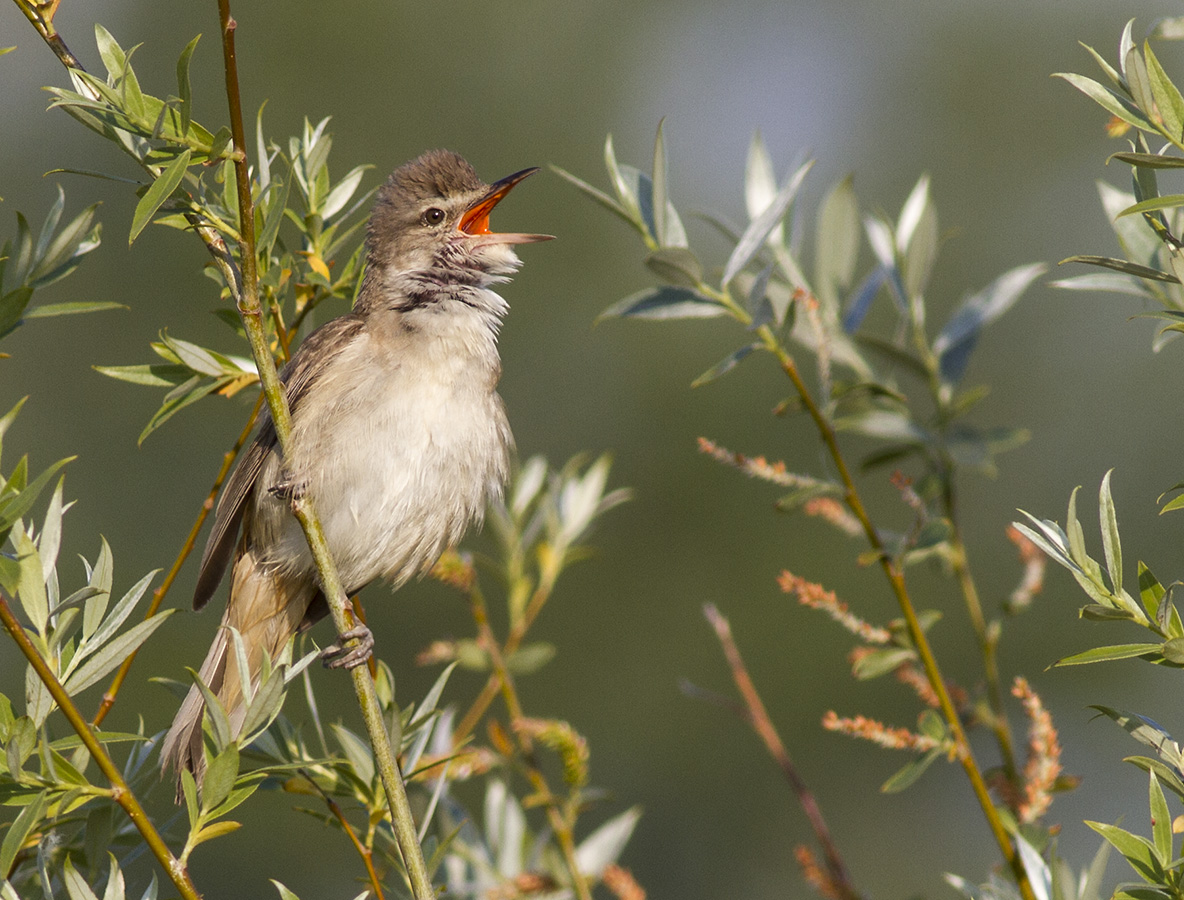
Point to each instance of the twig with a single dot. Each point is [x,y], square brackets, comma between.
[252,315]
[560,824]
[177,873]
[40,15]
[758,717]
[896,581]
[895,576]
[514,639]
[363,851]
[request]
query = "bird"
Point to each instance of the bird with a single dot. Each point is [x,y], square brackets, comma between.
[398,435]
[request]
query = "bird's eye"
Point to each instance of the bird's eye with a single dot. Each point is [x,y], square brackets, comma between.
[432,216]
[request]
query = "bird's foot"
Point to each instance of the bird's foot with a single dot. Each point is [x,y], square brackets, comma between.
[289,489]
[338,656]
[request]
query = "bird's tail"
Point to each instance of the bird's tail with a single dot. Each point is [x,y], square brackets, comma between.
[266,608]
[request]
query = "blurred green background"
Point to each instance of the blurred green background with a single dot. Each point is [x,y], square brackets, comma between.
[884,90]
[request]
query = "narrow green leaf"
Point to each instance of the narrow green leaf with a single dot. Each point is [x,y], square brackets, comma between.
[150,375]
[760,182]
[112,622]
[277,201]
[1105,654]
[628,200]
[530,658]
[726,364]
[64,252]
[1161,821]
[216,830]
[9,417]
[114,59]
[1149,160]
[1137,851]
[598,195]
[911,772]
[76,885]
[836,248]
[1110,101]
[12,309]
[660,192]
[116,887]
[22,826]
[158,192]
[1150,590]
[881,662]
[1168,777]
[604,846]
[758,229]
[1111,543]
[265,705]
[1102,281]
[19,505]
[31,590]
[201,359]
[50,541]
[285,894]
[665,302]
[189,790]
[184,395]
[339,196]
[184,90]
[960,333]
[1138,81]
[237,797]
[675,265]
[114,653]
[69,309]
[1122,265]
[356,752]
[215,712]
[220,777]
[1152,204]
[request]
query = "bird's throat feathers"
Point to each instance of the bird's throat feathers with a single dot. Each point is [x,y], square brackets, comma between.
[457,282]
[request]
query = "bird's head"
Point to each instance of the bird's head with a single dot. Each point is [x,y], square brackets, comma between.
[433,214]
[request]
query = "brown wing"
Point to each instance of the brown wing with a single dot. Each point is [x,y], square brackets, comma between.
[297,375]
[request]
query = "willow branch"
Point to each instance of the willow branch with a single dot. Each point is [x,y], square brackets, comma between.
[758,717]
[177,873]
[362,850]
[559,824]
[40,16]
[251,312]
[489,692]
[896,581]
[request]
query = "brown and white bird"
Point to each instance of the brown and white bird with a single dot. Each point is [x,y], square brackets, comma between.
[398,434]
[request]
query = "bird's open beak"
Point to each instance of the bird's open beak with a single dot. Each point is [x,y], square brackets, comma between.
[475,221]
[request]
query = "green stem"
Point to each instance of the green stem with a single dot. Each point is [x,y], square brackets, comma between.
[177,873]
[560,824]
[988,646]
[896,580]
[251,311]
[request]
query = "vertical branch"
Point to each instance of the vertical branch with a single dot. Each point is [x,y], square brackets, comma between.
[896,581]
[252,315]
[517,634]
[561,826]
[177,873]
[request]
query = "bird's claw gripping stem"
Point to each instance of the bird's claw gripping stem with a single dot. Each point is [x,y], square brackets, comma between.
[338,656]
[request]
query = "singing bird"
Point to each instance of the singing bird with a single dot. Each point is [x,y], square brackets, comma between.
[398,435]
